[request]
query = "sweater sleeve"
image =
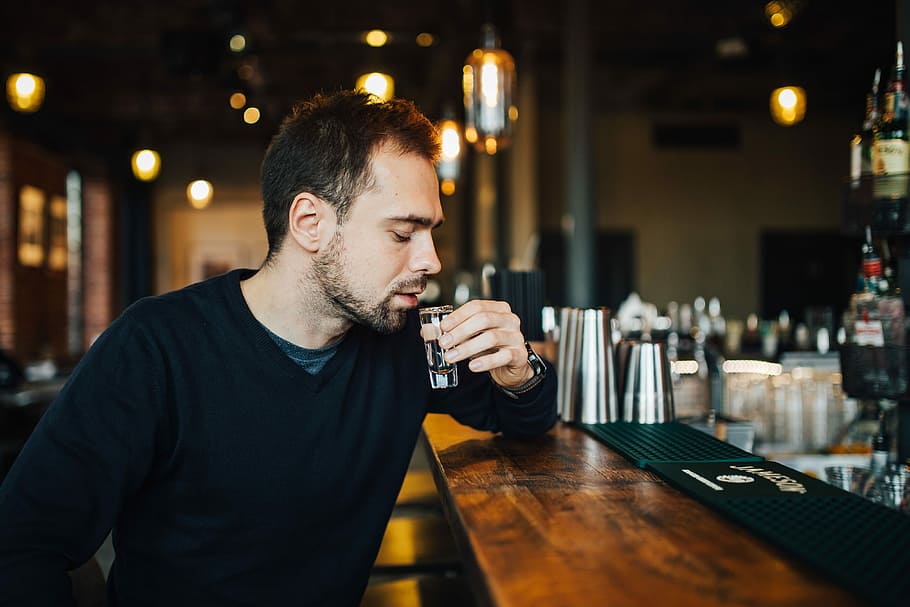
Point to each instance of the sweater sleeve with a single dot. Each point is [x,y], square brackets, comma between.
[478,403]
[90,451]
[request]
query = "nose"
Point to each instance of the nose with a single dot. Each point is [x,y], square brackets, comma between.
[425,260]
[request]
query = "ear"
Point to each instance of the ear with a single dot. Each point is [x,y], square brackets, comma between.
[311,221]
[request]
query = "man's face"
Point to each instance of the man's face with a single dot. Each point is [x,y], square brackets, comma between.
[379,259]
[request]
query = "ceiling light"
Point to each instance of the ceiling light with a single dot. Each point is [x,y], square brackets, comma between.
[488,81]
[788,105]
[199,193]
[238,43]
[779,13]
[378,84]
[146,164]
[376,38]
[251,115]
[238,100]
[448,167]
[25,92]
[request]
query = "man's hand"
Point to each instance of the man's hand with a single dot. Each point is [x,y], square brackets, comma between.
[489,334]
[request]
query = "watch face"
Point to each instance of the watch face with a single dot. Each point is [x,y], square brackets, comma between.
[535,361]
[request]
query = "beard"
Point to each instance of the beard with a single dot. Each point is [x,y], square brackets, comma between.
[336,283]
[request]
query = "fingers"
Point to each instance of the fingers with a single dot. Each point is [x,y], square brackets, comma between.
[502,358]
[477,311]
[488,332]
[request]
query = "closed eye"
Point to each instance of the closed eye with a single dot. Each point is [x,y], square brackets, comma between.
[399,237]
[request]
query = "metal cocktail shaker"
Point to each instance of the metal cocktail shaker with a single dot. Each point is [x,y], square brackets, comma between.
[585,368]
[646,384]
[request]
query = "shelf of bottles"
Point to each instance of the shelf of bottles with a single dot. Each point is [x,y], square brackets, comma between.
[877,188]
[874,352]
[874,356]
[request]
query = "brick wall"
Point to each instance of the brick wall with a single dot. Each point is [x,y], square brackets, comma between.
[98,256]
[7,247]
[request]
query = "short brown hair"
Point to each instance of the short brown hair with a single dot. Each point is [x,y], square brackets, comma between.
[325,146]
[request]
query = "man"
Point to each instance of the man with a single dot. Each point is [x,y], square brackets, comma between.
[246,437]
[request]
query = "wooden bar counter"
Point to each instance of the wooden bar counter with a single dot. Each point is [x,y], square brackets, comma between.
[563,520]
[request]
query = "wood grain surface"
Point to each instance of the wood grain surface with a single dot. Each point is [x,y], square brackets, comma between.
[562,520]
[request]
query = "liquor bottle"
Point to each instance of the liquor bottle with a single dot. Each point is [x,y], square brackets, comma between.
[890,153]
[881,448]
[872,267]
[874,329]
[861,146]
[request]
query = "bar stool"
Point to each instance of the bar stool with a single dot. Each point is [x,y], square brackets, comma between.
[418,491]
[417,544]
[422,591]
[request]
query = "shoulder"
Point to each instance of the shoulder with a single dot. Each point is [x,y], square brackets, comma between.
[178,315]
[199,302]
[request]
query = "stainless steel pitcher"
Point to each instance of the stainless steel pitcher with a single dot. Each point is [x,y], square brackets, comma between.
[646,386]
[587,377]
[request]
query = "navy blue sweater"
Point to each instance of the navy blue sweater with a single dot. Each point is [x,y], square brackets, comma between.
[230,476]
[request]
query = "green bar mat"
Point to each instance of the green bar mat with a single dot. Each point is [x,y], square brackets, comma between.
[671,442]
[858,544]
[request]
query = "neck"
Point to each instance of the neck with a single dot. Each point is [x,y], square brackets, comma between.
[281,298]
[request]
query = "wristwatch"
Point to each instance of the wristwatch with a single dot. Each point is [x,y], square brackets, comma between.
[540,372]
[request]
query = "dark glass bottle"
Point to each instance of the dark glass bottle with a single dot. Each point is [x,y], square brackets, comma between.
[872,266]
[862,144]
[891,151]
[881,447]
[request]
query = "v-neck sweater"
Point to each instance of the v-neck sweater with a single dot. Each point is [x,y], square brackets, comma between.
[229,474]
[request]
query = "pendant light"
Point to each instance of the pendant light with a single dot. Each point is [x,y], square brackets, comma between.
[379,84]
[25,92]
[146,164]
[199,193]
[788,105]
[488,81]
[448,167]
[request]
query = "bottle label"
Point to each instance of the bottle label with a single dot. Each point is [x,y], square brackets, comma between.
[891,156]
[872,267]
[869,333]
[891,161]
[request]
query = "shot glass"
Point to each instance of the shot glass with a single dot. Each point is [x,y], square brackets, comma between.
[443,374]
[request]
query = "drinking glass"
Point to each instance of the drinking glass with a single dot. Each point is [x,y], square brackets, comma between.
[854,479]
[443,374]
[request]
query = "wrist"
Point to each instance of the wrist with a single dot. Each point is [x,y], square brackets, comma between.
[537,372]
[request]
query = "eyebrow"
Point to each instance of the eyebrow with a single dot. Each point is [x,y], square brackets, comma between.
[415,219]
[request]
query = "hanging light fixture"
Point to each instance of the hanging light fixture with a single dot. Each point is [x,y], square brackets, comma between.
[788,105]
[199,193]
[376,38]
[25,92]
[146,164]
[781,12]
[488,80]
[376,83]
[448,167]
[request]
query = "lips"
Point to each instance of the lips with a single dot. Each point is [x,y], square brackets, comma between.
[411,298]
